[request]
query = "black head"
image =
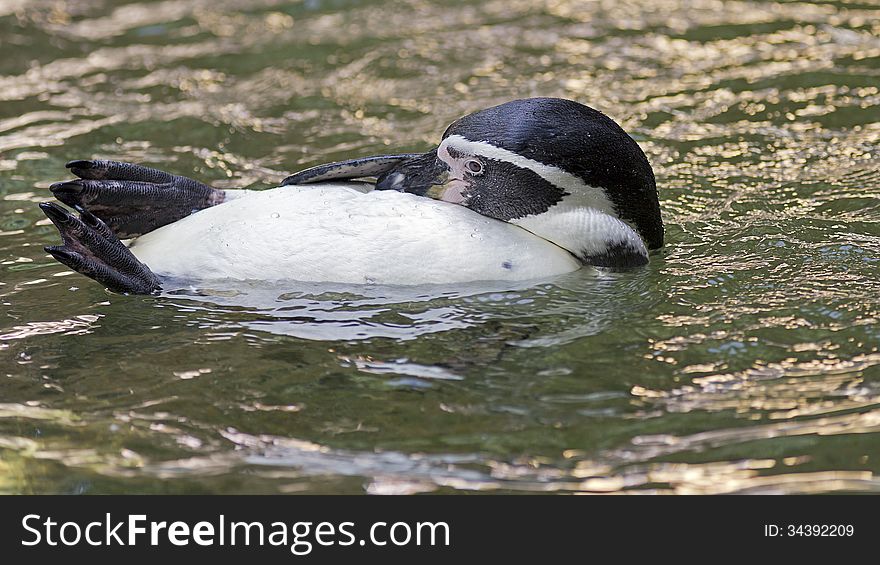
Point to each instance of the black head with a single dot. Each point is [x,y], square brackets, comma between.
[525,157]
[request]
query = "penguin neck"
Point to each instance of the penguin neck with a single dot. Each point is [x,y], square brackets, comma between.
[595,237]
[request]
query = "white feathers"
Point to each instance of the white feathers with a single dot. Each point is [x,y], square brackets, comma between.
[334,232]
[583,231]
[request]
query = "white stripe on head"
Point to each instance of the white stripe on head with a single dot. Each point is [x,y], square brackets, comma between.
[581,193]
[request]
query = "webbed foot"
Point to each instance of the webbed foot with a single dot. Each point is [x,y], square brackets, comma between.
[91,248]
[131,199]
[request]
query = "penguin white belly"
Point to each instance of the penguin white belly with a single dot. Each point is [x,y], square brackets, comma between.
[337,233]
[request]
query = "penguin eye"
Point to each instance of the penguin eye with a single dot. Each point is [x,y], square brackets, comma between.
[474,166]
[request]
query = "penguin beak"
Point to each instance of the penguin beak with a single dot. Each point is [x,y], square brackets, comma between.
[423,175]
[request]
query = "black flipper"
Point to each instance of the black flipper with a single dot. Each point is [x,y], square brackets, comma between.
[91,248]
[349,170]
[133,200]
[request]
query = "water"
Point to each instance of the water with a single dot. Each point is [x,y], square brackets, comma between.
[743,359]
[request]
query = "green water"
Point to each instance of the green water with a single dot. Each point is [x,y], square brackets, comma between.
[743,359]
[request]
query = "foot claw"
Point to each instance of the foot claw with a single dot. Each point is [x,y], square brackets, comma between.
[55,250]
[64,255]
[69,192]
[56,213]
[80,164]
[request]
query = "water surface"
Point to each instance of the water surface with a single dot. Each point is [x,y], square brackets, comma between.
[744,359]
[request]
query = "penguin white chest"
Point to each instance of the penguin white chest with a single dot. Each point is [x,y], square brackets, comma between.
[337,233]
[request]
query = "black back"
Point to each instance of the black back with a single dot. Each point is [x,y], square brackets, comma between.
[580,140]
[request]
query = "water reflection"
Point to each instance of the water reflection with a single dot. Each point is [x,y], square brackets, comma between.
[330,312]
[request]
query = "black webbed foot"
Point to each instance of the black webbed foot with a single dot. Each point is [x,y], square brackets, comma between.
[91,248]
[133,200]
